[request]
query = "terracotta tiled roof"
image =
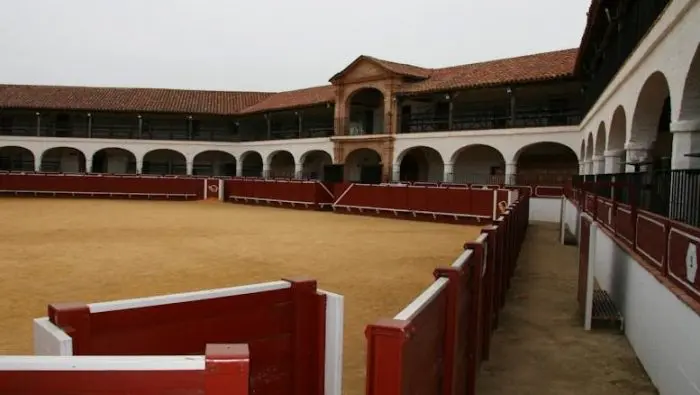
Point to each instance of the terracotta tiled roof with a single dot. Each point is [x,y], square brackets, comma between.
[403,69]
[127,99]
[529,68]
[294,99]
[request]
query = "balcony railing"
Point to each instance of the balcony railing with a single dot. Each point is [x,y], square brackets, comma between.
[351,127]
[105,131]
[420,123]
[670,193]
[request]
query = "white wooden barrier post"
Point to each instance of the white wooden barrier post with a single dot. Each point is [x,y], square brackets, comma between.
[590,277]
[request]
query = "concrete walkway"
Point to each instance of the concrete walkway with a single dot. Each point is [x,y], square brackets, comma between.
[540,347]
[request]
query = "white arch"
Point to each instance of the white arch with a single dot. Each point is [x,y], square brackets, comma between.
[215,151]
[182,154]
[66,166]
[455,154]
[197,152]
[302,157]
[47,148]
[617,132]
[600,140]
[406,150]
[273,154]
[524,148]
[648,108]
[245,155]
[22,150]
[428,164]
[589,146]
[690,96]
[114,148]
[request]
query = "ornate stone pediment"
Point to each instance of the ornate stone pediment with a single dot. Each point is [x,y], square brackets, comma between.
[361,70]
[366,68]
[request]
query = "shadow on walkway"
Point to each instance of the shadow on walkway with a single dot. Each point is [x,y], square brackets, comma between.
[540,347]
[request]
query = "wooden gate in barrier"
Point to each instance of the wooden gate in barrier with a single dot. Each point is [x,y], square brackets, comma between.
[585,235]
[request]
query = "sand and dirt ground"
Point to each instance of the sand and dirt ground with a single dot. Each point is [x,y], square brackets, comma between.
[540,347]
[99,250]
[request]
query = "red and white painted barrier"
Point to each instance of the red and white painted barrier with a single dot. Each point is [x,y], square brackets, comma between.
[223,370]
[436,202]
[288,318]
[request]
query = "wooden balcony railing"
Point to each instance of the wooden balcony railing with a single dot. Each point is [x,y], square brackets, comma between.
[524,118]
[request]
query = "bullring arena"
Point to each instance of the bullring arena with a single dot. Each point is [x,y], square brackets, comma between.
[136,249]
[525,225]
[241,244]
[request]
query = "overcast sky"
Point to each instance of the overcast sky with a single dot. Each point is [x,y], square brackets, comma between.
[265,45]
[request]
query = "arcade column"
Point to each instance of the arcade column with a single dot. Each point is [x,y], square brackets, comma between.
[614,161]
[598,164]
[587,167]
[637,152]
[448,171]
[396,172]
[511,172]
[686,144]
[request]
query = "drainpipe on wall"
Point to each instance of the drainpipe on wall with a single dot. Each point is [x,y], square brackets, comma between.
[510,92]
[140,131]
[300,121]
[89,125]
[268,119]
[189,127]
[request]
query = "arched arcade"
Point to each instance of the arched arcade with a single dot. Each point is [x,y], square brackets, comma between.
[423,164]
[164,162]
[14,158]
[114,161]
[63,160]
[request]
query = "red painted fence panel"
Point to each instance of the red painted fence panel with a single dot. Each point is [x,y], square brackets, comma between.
[283,327]
[87,185]
[224,371]
[436,344]
[668,248]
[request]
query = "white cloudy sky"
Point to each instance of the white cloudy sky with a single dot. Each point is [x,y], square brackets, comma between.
[266,45]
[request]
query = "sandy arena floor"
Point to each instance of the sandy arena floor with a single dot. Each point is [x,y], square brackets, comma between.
[540,347]
[96,250]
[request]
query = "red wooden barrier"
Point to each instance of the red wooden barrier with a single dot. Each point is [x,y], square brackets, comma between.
[223,371]
[283,325]
[402,352]
[437,203]
[435,345]
[290,193]
[668,248]
[80,185]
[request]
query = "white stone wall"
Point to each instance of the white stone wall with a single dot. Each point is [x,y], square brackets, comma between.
[509,143]
[661,329]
